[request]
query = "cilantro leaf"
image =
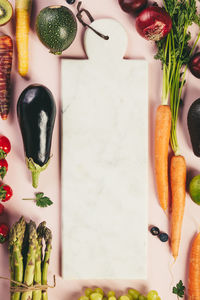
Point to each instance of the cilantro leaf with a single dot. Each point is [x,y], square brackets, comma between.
[42,201]
[179,289]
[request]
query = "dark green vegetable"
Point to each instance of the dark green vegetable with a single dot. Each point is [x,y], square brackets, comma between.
[36,111]
[193,122]
[56,28]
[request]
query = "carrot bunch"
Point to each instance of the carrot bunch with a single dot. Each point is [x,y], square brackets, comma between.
[175,53]
[6,53]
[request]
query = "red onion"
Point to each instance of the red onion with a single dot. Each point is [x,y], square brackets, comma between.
[153,23]
[132,6]
[194,65]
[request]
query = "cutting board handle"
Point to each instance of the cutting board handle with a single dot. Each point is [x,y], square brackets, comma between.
[110,50]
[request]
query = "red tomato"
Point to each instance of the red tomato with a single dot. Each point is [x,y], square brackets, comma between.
[4,146]
[1,209]
[4,231]
[5,192]
[3,167]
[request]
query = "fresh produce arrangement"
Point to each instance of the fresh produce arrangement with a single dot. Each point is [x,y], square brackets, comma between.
[36,111]
[99,294]
[30,250]
[168,27]
[174,52]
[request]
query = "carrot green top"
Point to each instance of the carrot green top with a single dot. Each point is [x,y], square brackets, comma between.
[174,52]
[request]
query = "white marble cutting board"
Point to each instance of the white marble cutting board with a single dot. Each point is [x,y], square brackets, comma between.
[104,160]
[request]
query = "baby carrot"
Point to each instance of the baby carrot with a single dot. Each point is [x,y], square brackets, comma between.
[194,270]
[178,187]
[23,11]
[6,53]
[162,136]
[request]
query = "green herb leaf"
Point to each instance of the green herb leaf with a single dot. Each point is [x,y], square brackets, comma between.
[39,195]
[179,289]
[42,201]
[3,172]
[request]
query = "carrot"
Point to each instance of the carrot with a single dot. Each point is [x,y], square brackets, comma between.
[178,187]
[6,53]
[194,270]
[162,136]
[23,11]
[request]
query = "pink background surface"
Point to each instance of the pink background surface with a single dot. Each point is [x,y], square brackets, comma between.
[45,69]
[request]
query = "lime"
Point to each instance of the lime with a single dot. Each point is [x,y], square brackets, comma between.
[194,189]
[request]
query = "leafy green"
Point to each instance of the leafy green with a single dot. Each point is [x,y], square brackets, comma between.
[41,200]
[174,51]
[179,289]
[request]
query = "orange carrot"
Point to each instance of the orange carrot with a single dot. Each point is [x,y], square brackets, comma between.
[23,11]
[194,270]
[178,187]
[6,53]
[162,136]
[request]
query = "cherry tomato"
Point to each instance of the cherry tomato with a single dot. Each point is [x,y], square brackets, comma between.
[1,209]
[4,231]
[3,167]
[4,146]
[5,192]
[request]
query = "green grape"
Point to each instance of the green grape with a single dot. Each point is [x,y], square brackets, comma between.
[96,296]
[124,297]
[110,294]
[99,290]
[83,298]
[129,296]
[152,295]
[134,294]
[141,297]
[105,298]
[112,298]
[88,292]
[158,298]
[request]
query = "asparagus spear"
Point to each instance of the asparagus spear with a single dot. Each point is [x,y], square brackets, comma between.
[30,263]
[48,241]
[16,237]
[37,295]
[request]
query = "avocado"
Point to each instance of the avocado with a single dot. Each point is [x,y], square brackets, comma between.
[56,27]
[6,12]
[193,122]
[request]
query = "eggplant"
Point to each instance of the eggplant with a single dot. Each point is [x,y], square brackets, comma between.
[193,122]
[36,112]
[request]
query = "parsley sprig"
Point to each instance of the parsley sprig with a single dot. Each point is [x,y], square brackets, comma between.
[179,289]
[41,200]
[174,51]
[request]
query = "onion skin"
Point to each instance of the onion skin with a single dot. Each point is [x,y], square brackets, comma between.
[153,23]
[132,6]
[194,65]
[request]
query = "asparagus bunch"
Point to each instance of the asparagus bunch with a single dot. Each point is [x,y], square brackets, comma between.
[28,260]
